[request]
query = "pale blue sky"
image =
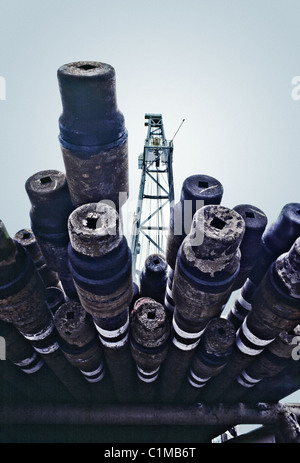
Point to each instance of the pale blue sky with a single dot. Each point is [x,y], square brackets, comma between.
[226,66]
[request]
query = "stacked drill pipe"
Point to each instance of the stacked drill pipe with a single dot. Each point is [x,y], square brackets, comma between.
[206,267]
[274,358]
[135,297]
[100,262]
[197,191]
[50,208]
[153,278]
[287,378]
[92,136]
[255,223]
[276,239]
[33,375]
[275,308]
[22,302]
[13,388]
[28,240]
[54,298]
[275,388]
[19,351]
[211,356]
[28,362]
[149,340]
[79,342]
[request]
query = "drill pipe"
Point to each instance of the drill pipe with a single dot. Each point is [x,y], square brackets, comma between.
[149,340]
[18,350]
[197,191]
[275,308]
[276,239]
[50,208]
[274,358]
[153,278]
[277,387]
[206,266]
[54,298]
[80,344]
[136,296]
[22,302]
[100,262]
[28,240]
[255,223]
[93,136]
[35,376]
[211,356]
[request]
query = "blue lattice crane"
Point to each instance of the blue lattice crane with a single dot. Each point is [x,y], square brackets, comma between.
[156,194]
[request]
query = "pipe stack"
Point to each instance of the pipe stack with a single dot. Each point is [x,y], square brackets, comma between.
[50,208]
[149,342]
[68,305]
[19,351]
[22,302]
[34,377]
[80,344]
[275,308]
[100,262]
[211,356]
[276,239]
[27,239]
[197,191]
[274,358]
[206,267]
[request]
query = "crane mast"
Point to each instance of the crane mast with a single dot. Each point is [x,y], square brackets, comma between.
[156,195]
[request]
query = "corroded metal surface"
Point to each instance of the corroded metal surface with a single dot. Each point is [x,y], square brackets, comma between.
[93,136]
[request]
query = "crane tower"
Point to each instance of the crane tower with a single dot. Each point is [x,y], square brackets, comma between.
[156,195]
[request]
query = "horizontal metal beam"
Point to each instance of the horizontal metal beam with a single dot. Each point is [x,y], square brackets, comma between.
[130,414]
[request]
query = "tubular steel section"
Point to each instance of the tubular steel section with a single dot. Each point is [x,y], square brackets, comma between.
[197,191]
[93,136]
[100,262]
[149,342]
[50,207]
[284,416]
[206,267]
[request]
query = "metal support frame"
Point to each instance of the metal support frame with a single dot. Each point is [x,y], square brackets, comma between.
[156,193]
[284,417]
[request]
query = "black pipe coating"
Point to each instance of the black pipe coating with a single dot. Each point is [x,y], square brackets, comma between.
[92,136]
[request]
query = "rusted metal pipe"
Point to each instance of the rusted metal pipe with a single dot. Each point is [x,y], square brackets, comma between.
[255,223]
[27,239]
[276,240]
[92,136]
[81,346]
[275,308]
[206,267]
[197,191]
[211,356]
[274,358]
[100,262]
[34,376]
[143,415]
[50,208]
[153,278]
[149,340]
[54,298]
[22,302]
